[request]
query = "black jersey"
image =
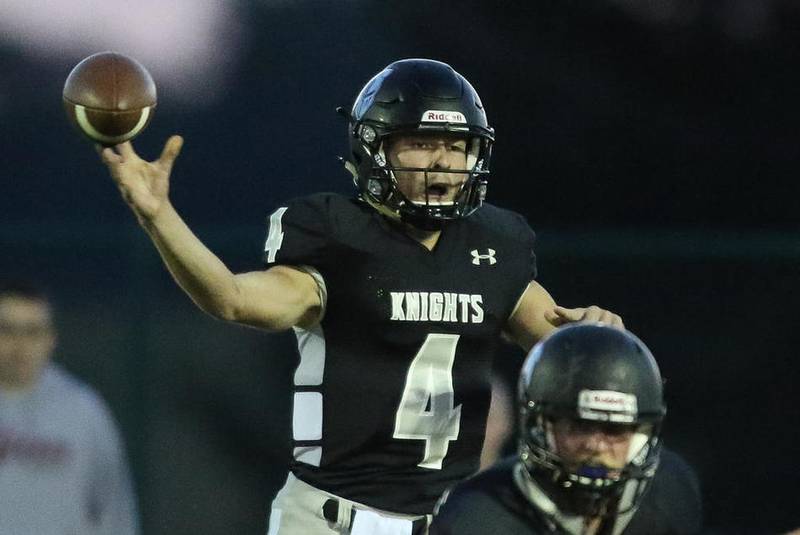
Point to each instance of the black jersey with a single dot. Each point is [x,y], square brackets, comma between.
[491,503]
[392,390]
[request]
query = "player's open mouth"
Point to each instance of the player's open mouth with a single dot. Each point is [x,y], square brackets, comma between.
[440,193]
[437,190]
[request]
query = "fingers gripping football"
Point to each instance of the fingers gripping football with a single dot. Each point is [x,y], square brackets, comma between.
[144,185]
[560,315]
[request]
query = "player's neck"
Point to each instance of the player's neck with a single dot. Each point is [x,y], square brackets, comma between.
[428,238]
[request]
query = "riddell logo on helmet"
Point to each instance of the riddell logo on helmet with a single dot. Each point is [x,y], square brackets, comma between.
[592,401]
[439,116]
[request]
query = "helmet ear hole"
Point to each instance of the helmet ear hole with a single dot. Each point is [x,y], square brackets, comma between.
[367,134]
[376,188]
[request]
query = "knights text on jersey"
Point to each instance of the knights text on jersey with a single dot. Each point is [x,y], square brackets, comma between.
[392,390]
[490,502]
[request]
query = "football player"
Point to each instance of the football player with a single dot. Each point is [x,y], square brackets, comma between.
[590,458]
[398,298]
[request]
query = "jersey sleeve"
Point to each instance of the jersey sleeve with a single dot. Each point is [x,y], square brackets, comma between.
[673,505]
[527,239]
[298,233]
[473,511]
[462,513]
[485,503]
[682,493]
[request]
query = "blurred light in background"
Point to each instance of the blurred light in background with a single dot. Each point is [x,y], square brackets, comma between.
[663,11]
[740,19]
[189,47]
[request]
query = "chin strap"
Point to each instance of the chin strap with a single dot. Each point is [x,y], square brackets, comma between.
[350,167]
[381,209]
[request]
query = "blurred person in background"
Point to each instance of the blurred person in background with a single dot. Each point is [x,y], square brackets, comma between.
[62,463]
[398,298]
[590,458]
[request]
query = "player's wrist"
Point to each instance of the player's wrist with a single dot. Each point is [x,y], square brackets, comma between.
[154,220]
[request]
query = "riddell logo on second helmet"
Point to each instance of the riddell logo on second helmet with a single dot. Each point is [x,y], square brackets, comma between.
[440,116]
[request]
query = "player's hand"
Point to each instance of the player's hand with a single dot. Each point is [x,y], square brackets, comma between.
[144,185]
[559,316]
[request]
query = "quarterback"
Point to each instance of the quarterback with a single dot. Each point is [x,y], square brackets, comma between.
[398,297]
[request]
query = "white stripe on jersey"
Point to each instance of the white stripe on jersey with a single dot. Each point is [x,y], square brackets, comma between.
[307,410]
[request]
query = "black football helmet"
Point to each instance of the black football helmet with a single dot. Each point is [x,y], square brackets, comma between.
[591,372]
[414,96]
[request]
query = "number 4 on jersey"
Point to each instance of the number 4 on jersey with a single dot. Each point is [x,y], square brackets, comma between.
[426,409]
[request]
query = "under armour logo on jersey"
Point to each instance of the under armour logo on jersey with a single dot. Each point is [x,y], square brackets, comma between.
[477,258]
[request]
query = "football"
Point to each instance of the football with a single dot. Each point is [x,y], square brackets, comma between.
[109,97]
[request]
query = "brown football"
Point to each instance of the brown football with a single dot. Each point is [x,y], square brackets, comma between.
[110,97]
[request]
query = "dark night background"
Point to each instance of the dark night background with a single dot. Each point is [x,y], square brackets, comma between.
[652,145]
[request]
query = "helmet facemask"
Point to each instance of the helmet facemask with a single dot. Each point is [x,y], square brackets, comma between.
[377,180]
[591,490]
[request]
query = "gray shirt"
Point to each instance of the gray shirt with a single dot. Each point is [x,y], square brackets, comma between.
[62,463]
